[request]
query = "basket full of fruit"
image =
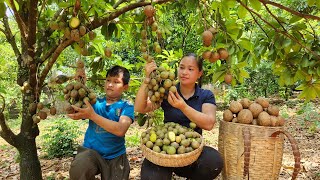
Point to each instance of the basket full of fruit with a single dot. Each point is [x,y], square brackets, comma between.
[171,145]
[251,140]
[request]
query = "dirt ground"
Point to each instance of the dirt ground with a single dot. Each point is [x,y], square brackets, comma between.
[309,145]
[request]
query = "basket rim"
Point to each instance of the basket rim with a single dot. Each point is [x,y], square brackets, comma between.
[172,160]
[250,125]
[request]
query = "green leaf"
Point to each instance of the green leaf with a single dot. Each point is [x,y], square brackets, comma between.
[311,2]
[242,12]
[109,7]
[299,26]
[2,9]
[318,71]
[294,19]
[246,44]
[108,29]
[244,73]
[255,4]
[318,4]
[216,76]
[241,65]
[64,4]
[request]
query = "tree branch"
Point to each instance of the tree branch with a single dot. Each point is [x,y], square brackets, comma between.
[255,20]
[99,22]
[53,59]
[275,17]
[19,20]
[32,25]
[46,33]
[56,51]
[5,132]
[9,36]
[48,54]
[306,16]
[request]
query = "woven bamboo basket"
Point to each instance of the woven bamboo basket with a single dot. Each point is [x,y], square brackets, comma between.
[253,152]
[176,160]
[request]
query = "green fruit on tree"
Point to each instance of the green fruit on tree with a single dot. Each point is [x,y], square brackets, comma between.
[74,22]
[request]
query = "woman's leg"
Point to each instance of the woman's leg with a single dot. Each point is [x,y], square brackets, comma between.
[207,166]
[150,171]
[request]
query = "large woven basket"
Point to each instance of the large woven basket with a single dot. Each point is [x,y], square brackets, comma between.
[254,152]
[176,160]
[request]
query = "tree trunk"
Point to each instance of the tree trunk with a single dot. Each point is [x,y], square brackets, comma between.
[30,168]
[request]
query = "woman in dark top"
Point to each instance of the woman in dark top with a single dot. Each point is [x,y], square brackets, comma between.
[189,104]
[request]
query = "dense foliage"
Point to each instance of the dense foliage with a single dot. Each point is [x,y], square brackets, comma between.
[37,45]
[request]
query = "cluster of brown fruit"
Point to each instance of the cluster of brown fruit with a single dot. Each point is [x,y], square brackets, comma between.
[74,31]
[42,111]
[76,94]
[212,56]
[160,83]
[150,21]
[171,138]
[258,112]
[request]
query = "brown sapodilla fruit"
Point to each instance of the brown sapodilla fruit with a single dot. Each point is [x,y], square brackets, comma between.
[273,110]
[207,38]
[274,121]
[42,115]
[281,121]
[32,107]
[213,30]
[245,116]
[264,119]
[80,63]
[256,109]
[235,106]
[227,115]
[263,102]
[82,30]
[214,57]
[228,78]
[223,53]
[149,11]
[107,52]
[206,55]
[53,111]
[245,102]
[40,106]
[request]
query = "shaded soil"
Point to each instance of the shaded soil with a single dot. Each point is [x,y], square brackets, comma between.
[308,142]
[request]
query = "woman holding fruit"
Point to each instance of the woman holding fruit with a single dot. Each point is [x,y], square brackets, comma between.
[190,103]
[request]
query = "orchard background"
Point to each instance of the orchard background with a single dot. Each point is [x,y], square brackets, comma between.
[273,51]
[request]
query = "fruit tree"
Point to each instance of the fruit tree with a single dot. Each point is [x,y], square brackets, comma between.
[230,34]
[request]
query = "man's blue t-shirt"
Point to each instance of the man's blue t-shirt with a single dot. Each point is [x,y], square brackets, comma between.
[108,145]
[200,96]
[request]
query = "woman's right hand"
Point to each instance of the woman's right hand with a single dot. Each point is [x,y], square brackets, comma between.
[151,66]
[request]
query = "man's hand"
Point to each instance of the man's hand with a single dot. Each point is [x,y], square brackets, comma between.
[82,113]
[151,66]
[176,100]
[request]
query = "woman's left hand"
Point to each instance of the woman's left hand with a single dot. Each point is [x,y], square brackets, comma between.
[176,100]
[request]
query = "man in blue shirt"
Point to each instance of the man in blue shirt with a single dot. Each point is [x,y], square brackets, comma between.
[103,150]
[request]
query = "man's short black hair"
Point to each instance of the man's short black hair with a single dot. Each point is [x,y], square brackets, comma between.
[116,70]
